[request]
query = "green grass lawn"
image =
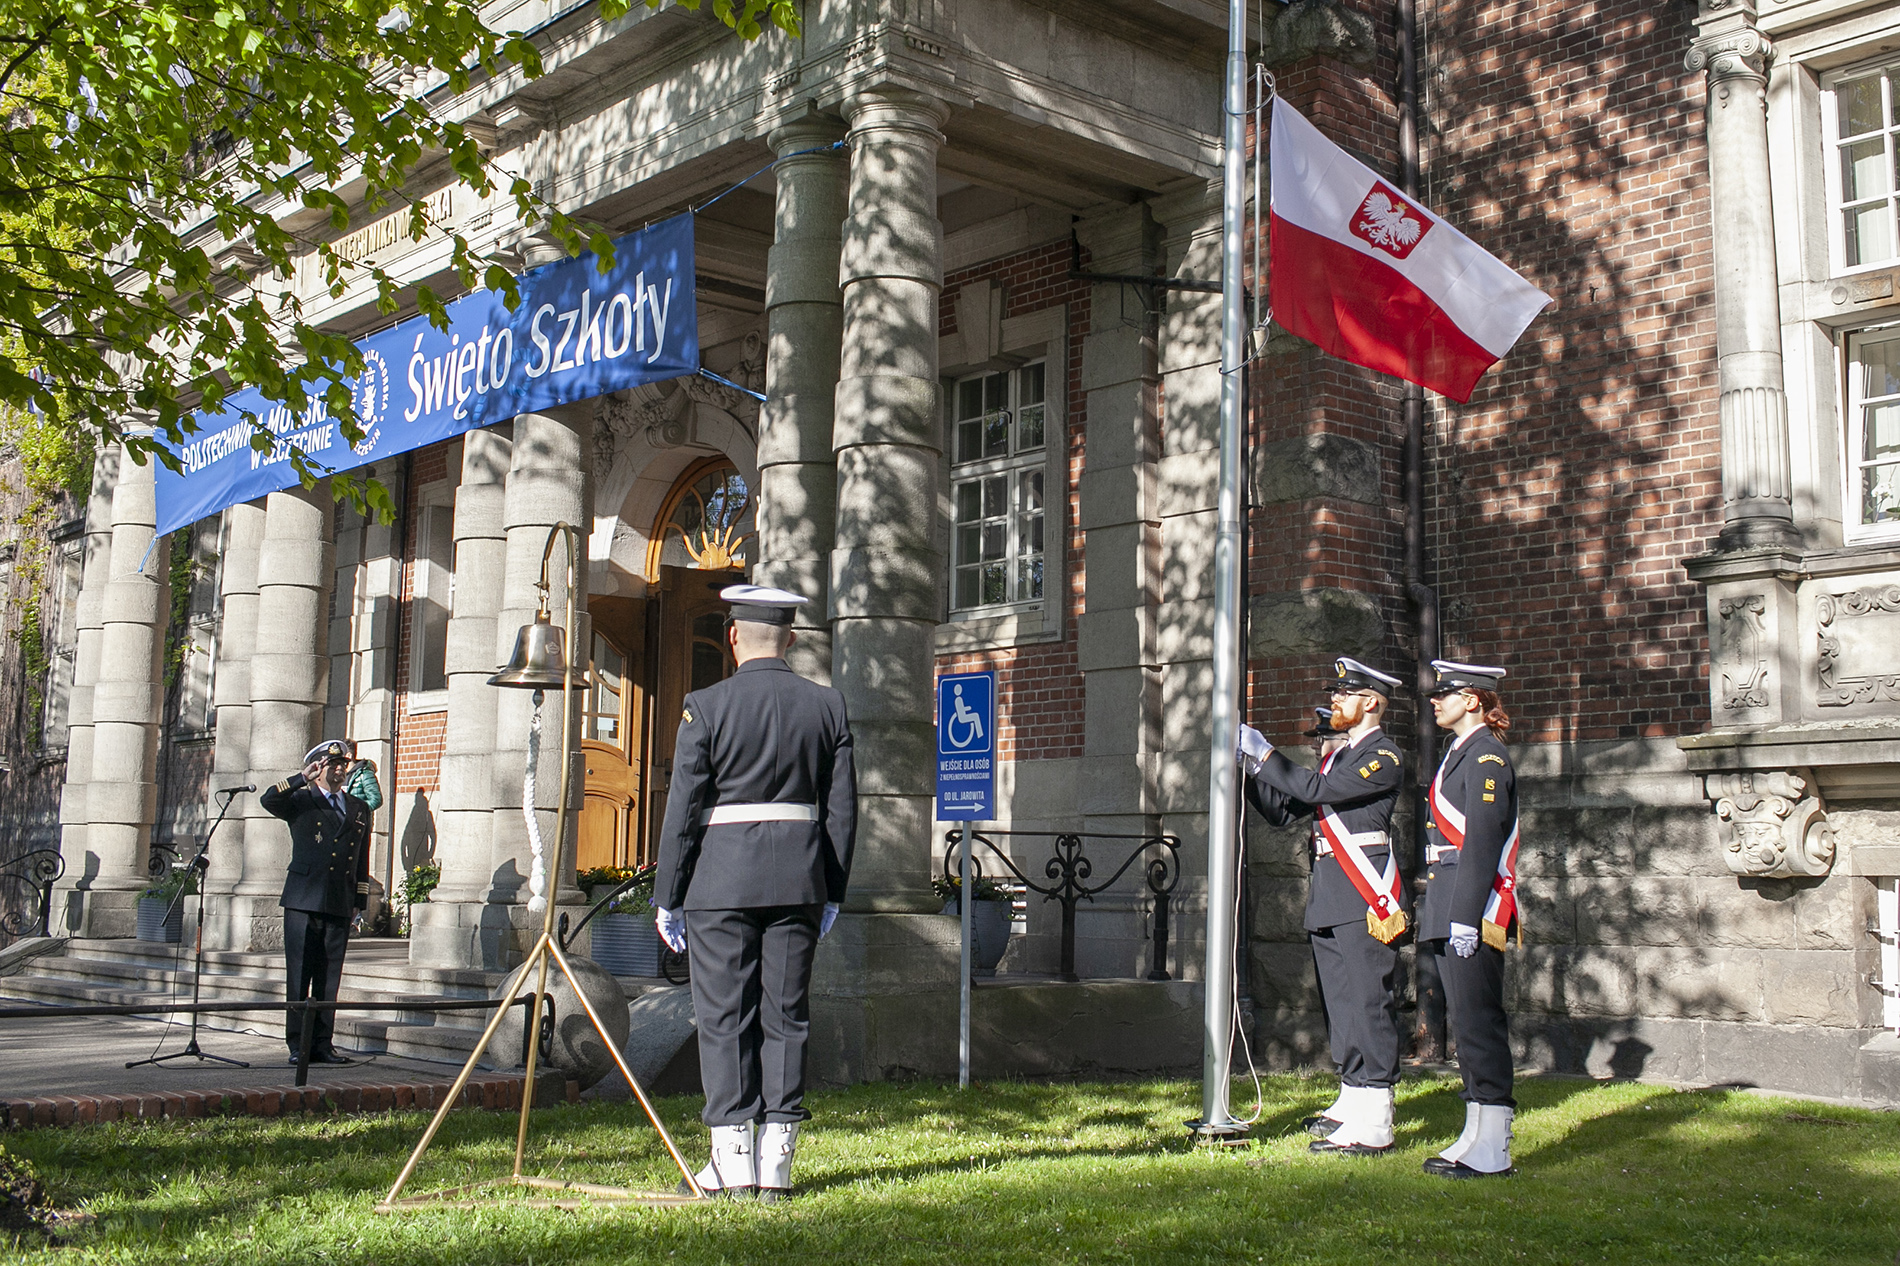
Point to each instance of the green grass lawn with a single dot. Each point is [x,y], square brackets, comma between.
[1016,1173]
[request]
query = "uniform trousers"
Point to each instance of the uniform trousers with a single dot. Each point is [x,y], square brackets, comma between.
[751,1000]
[314,945]
[1474,1009]
[1362,1015]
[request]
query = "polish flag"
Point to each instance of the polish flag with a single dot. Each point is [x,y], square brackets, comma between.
[1375,279]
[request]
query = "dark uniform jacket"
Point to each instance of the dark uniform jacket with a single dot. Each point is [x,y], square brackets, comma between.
[764,735]
[1361,786]
[329,852]
[1475,777]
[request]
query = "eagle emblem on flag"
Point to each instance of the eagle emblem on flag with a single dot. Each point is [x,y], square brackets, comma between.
[1388,222]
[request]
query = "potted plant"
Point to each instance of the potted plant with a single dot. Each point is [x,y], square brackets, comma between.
[416,887]
[990,918]
[625,941]
[162,906]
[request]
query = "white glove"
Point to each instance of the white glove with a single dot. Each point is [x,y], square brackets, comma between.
[1464,940]
[1253,744]
[827,918]
[672,926]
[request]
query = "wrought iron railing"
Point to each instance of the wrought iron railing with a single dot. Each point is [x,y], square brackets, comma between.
[26,894]
[673,965]
[1069,870]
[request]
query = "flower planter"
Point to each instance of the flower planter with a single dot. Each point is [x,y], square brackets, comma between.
[626,945]
[989,933]
[156,925]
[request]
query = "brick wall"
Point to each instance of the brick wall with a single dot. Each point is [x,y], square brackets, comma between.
[418,736]
[1039,687]
[1563,499]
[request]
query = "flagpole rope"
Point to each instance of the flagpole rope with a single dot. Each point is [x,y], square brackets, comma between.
[816,149]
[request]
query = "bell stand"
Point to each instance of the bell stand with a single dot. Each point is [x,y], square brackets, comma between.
[531,668]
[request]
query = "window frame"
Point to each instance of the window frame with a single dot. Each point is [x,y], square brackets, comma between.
[1854,529]
[1012,467]
[1832,143]
[68,559]
[431,500]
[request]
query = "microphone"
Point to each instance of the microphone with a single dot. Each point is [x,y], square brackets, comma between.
[232,791]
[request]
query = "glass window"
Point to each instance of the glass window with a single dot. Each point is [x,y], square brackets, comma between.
[60,616]
[996,488]
[434,597]
[1873,403]
[1866,123]
[192,642]
[605,693]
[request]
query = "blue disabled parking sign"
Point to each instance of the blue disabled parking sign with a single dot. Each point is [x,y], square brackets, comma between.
[966,747]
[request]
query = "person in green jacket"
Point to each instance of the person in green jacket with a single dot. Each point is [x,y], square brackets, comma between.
[361,783]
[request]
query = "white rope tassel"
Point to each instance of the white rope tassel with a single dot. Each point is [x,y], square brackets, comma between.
[537,871]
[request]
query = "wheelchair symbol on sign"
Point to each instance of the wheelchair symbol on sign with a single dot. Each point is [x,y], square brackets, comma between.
[965,716]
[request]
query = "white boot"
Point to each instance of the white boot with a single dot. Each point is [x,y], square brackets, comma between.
[1327,1119]
[1490,1152]
[1447,1159]
[730,1172]
[1365,1125]
[778,1142]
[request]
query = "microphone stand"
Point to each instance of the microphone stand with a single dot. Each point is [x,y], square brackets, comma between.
[202,864]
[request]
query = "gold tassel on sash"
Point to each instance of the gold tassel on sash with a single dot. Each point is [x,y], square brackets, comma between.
[1385,930]
[1497,938]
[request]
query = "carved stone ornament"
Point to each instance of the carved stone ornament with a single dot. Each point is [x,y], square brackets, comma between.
[1770,827]
[1730,47]
[1743,655]
[1322,28]
[1854,664]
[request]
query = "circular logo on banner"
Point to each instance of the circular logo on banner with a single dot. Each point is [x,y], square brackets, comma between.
[369,399]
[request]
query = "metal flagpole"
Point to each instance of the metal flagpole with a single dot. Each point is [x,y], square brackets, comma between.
[1223,800]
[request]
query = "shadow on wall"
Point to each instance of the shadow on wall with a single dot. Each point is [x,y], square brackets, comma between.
[415,837]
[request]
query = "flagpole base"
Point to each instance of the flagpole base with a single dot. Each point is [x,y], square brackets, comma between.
[1219,1133]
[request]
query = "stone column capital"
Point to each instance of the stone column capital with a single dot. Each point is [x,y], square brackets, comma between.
[809,132]
[894,108]
[1728,45]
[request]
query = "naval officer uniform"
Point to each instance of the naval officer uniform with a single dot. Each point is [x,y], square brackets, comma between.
[1470,910]
[326,884]
[1355,901]
[754,857]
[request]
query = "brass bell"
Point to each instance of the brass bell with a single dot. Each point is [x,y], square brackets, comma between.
[540,658]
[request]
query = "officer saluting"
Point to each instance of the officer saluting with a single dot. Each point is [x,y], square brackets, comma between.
[327,883]
[1471,907]
[754,856]
[1354,904]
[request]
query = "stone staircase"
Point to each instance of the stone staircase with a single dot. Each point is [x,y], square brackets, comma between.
[80,972]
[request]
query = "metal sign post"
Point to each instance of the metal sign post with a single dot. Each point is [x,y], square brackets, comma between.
[966,791]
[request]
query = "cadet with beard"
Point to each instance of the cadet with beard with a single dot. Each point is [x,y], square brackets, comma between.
[1354,904]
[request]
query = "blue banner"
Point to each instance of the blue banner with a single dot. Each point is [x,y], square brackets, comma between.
[966,747]
[578,333]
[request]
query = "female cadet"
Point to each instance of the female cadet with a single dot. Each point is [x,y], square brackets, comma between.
[1471,907]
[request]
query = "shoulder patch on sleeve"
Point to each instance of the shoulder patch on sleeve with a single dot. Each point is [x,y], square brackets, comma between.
[1488,758]
[1389,755]
[686,715]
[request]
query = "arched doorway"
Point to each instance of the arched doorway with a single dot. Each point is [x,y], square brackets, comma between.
[651,651]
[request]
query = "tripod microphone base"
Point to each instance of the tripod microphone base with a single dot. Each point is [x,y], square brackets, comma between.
[190,1052]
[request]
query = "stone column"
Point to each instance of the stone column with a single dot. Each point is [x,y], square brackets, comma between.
[1117,633]
[886,568]
[290,682]
[96,573]
[1189,480]
[231,697]
[446,930]
[548,482]
[364,655]
[127,708]
[804,315]
[1757,490]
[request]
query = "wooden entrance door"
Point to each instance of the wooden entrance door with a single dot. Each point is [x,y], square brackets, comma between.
[612,729]
[692,654]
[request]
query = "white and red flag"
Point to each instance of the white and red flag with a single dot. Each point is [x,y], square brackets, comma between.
[1376,279]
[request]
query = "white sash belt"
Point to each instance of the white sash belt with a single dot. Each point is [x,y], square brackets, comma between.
[1322,847]
[1435,853]
[730,814]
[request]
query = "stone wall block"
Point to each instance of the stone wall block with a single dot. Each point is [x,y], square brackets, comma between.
[465,779]
[541,501]
[1314,622]
[1115,639]
[1593,981]
[893,865]
[888,408]
[891,241]
[1550,911]
[1829,915]
[1117,494]
[1120,560]
[469,647]
[299,678]
[1279,912]
[1275,854]
[905,757]
[1534,979]
[478,508]
[1113,785]
[1186,702]
[1321,465]
[1636,911]
[797,506]
[1811,987]
[901,583]
[1115,698]
[885,671]
[295,562]
[1675,841]
[1186,630]
[1187,556]
[1190,482]
[1694,984]
[1121,429]
[1283,976]
[789,424]
[1752,914]
[118,801]
[1118,356]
